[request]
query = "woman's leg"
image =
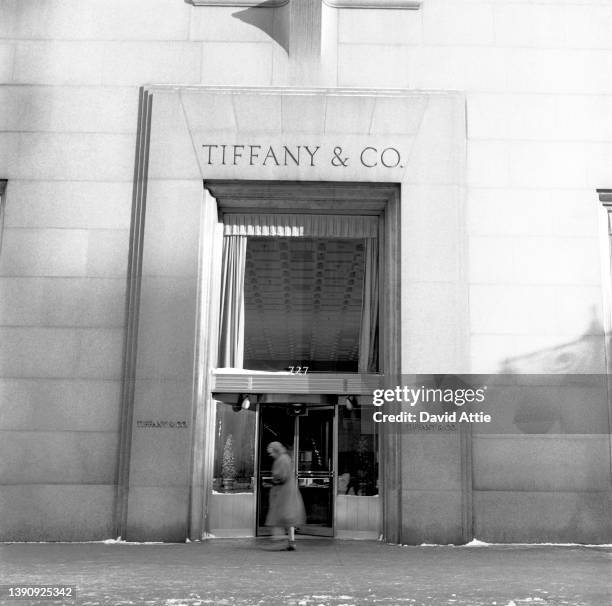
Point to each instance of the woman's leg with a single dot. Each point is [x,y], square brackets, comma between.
[291,535]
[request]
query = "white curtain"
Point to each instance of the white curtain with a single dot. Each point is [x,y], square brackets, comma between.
[368,338]
[231,323]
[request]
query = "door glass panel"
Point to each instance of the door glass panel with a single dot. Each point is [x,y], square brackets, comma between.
[303,303]
[315,441]
[275,425]
[308,437]
[315,468]
[357,450]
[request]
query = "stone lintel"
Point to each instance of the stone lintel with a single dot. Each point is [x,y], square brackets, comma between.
[237,3]
[380,4]
[384,4]
[605,196]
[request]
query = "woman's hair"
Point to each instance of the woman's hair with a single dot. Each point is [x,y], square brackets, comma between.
[277,447]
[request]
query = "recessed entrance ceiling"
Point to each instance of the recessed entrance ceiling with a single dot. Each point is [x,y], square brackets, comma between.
[303,299]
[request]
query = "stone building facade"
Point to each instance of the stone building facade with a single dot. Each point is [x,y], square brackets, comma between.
[474,136]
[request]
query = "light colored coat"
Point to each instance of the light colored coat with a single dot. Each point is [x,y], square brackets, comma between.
[286,507]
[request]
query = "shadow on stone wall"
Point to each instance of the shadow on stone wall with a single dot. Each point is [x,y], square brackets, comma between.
[269,21]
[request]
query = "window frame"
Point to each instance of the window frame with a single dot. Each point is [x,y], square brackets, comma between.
[3,184]
[304,197]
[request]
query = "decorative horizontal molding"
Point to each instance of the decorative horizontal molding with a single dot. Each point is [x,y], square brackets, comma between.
[253,3]
[291,196]
[605,196]
[245,382]
[397,4]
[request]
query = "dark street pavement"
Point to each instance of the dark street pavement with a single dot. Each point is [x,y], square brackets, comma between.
[320,572]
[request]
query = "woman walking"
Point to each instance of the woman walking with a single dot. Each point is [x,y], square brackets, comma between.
[286,509]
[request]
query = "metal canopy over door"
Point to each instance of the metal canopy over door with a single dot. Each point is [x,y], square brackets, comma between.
[308,434]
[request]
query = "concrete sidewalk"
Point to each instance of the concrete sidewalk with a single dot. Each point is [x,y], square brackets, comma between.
[321,572]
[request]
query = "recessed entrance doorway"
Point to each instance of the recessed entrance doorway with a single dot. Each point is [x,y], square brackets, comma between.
[300,344]
[308,434]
